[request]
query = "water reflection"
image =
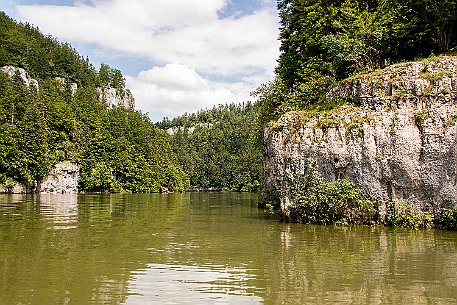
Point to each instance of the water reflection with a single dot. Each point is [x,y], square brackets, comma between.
[360,265]
[177,284]
[208,248]
[60,209]
[8,199]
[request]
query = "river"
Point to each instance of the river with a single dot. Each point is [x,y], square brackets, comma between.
[208,248]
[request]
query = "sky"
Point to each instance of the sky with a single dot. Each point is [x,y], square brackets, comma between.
[177,56]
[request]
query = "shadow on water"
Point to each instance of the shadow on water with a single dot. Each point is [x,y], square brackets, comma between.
[208,248]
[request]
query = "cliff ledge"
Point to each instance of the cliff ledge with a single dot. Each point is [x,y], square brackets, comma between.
[392,133]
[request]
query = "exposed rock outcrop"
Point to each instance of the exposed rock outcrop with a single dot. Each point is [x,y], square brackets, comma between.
[28,81]
[62,82]
[112,97]
[396,139]
[63,178]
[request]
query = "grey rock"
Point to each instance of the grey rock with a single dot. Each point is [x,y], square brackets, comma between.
[63,83]
[398,144]
[63,178]
[112,97]
[28,81]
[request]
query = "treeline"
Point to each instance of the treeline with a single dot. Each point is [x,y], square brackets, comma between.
[118,149]
[23,45]
[219,147]
[325,41]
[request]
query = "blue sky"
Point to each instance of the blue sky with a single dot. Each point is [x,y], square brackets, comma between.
[177,55]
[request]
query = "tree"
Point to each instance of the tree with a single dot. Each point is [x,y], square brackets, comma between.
[219,147]
[118,149]
[324,41]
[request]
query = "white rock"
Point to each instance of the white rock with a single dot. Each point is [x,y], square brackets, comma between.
[28,81]
[111,97]
[401,146]
[63,178]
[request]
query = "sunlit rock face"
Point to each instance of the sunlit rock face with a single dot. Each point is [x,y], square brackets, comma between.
[24,76]
[63,178]
[113,97]
[62,83]
[395,138]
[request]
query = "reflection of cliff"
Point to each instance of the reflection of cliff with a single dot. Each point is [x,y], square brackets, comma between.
[63,251]
[358,265]
[61,209]
[115,249]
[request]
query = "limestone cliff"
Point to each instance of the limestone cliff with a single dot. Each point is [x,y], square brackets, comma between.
[63,178]
[28,81]
[113,97]
[109,95]
[394,136]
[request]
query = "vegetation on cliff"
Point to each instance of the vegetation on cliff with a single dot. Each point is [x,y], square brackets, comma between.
[219,147]
[317,201]
[322,85]
[118,148]
[323,42]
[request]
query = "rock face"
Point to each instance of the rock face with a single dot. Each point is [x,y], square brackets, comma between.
[62,82]
[28,81]
[398,143]
[63,178]
[112,97]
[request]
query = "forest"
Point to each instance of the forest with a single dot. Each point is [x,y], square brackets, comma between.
[118,149]
[219,147]
[323,42]
[122,150]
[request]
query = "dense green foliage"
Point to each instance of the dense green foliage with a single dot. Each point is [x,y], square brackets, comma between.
[24,46]
[118,149]
[325,41]
[318,201]
[220,147]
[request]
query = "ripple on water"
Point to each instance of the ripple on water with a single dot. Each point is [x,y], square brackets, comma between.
[178,284]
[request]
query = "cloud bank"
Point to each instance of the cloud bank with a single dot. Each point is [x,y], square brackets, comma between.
[200,59]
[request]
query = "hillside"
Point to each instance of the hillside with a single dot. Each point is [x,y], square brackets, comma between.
[324,42]
[55,106]
[219,147]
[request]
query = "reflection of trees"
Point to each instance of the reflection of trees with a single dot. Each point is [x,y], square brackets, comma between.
[111,237]
[84,264]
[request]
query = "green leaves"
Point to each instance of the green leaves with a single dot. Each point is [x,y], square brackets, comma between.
[118,149]
[42,56]
[99,179]
[136,154]
[324,41]
[219,147]
[318,201]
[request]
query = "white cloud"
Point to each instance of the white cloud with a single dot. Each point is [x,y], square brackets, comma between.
[239,51]
[175,89]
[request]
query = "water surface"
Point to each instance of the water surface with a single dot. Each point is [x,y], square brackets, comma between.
[208,248]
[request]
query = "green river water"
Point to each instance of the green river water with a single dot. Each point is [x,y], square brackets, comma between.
[208,248]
